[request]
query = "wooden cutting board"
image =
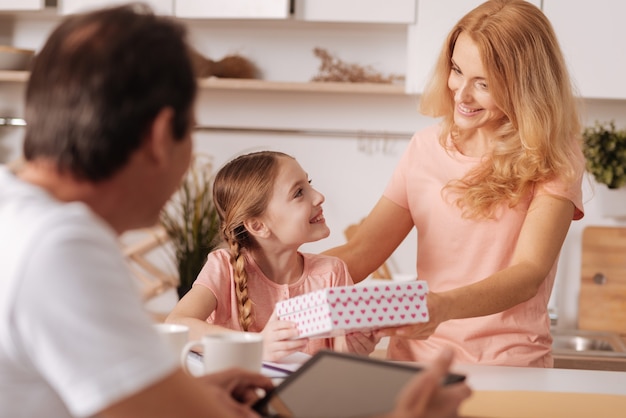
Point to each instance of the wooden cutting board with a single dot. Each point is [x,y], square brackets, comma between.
[602,299]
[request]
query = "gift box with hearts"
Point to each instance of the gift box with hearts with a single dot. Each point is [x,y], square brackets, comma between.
[340,310]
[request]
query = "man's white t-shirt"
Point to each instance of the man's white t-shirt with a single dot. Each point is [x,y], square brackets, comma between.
[74,337]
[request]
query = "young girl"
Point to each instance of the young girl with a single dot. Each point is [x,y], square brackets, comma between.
[268,209]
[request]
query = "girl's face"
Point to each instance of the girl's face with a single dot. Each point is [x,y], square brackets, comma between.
[294,214]
[474,106]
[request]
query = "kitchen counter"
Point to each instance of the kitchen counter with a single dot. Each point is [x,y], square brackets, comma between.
[504,392]
[540,379]
[527,392]
[585,385]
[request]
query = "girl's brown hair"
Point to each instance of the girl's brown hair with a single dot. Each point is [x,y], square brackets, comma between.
[529,81]
[242,190]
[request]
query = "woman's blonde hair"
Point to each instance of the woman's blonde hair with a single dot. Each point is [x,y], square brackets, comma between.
[242,190]
[528,79]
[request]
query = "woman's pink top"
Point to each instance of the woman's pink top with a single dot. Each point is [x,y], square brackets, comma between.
[454,252]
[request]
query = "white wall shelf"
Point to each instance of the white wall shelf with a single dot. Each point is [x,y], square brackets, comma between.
[14,76]
[304,87]
[262,85]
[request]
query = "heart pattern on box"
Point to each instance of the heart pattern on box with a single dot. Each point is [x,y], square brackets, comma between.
[339,310]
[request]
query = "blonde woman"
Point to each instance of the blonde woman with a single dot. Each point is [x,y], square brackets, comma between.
[267,209]
[491,189]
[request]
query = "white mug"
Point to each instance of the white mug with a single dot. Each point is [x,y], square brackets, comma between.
[174,335]
[224,350]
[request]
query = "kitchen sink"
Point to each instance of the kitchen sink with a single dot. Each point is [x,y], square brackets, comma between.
[587,342]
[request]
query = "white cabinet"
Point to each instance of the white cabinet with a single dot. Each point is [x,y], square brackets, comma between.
[164,7]
[435,19]
[20,5]
[368,11]
[232,9]
[591,34]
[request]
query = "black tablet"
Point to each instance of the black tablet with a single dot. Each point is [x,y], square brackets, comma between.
[339,385]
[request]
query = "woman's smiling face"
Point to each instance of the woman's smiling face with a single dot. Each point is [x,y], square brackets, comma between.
[475,108]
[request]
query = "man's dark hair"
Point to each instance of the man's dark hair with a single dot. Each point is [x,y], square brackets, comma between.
[99,82]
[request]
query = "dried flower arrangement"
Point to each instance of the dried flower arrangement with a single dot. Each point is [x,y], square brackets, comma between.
[191,222]
[334,69]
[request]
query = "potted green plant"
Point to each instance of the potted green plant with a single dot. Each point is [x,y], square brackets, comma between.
[191,221]
[605,152]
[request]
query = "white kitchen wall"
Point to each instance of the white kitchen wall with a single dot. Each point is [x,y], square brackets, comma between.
[565,298]
[350,170]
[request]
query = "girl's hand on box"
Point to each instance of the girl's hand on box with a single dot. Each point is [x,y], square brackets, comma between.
[278,339]
[361,343]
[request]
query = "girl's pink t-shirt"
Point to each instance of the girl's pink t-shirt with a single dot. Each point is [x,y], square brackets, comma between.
[320,271]
[454,252]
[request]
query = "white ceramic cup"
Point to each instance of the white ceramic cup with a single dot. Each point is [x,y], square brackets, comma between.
[174,335]
[224,350]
